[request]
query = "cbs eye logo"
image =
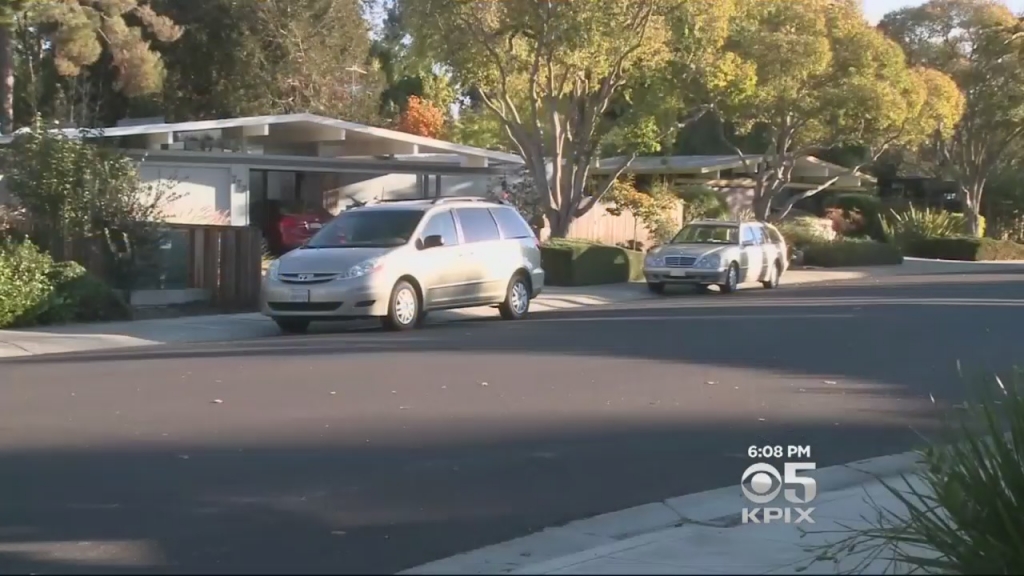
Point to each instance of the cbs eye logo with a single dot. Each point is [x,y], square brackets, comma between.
[761,482]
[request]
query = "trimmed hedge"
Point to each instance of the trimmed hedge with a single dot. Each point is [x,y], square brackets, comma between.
[569,262]
[36,290]
[851,252]
[965,249]
[868,206]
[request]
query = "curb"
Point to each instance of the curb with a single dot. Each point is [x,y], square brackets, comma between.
[582,540]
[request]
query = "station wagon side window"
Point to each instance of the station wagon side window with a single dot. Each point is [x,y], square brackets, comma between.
[477,225]
[442,224]
[760,236]
[747,236]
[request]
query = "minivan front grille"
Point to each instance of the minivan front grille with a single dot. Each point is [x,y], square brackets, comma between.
[679,261]
[306,278]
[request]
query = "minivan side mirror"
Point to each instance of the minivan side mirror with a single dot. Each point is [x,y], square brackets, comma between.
[433,241]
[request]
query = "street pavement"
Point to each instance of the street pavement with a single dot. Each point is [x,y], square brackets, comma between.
[365,451]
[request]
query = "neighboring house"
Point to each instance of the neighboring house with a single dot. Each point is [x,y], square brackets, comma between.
[926,191]
[232,168]
[730,176]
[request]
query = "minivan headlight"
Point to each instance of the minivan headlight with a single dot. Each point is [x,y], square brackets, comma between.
[363,268]
[272,269]
[712,261]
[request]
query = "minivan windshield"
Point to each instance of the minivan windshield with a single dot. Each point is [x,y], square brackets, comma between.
[708,234]
[368,229]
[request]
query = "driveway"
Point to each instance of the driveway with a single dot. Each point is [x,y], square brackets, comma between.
[374,452]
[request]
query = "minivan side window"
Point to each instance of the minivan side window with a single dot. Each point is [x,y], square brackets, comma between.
[477,225]
[511,223]
[442,224]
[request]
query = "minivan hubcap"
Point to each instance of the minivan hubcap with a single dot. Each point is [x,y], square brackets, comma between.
[519,298]
[405,306]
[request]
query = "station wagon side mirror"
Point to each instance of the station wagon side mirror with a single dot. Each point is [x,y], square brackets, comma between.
[433,241]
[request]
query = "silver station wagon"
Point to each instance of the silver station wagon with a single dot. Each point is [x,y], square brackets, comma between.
[396,261]
[718,252]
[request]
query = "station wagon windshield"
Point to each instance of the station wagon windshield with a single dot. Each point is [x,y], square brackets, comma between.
[368,229]
[707,234]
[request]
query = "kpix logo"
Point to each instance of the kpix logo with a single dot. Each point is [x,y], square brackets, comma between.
[761,484]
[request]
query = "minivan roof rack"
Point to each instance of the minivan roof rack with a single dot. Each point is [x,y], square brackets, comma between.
[443,199]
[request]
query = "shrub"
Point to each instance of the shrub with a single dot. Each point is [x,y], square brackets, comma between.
[580,263]
[851,252]
[965,248]
[862,211]
[25,287]
[911,224]
[36,290]
[802,231]
[967,513]
[703,203]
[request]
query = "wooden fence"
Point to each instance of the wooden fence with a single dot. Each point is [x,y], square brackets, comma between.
[600,226]
[223,260]
[226,260]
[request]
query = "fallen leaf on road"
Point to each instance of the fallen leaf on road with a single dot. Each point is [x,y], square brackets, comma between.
[333,393]
[403,407]
[444,387]
[932,398]
[483,383]
[829,382]
[218,401]
[802,390]
[711,383]
[394,391]
[760,419]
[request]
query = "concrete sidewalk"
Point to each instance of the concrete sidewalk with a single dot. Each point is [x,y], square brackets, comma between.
[703,534]
[227,327]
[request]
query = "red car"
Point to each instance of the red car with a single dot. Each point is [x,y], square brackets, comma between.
[288,230]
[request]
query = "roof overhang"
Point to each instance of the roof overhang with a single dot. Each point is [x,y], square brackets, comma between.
[310,163]
[298,127]
[806,166]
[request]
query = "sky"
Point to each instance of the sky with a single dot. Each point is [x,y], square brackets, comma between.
[875,9]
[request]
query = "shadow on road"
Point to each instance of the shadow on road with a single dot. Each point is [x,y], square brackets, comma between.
[356,509]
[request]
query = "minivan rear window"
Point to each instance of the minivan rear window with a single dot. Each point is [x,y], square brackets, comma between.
[511,223]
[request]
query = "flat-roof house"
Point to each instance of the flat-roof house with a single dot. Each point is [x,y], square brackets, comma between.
[233,167]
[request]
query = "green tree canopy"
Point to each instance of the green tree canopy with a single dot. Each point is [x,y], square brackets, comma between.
[553,71]
[972,42]
[811,75]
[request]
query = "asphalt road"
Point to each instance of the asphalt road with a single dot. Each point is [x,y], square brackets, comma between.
[375,452]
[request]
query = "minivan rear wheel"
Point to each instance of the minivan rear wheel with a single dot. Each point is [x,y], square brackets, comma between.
[517,299]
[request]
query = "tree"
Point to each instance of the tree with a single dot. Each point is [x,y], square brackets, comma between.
[971,41]
[422,118]
[552,70]
[77,34]
[836,82]
[255,57]
[653,210]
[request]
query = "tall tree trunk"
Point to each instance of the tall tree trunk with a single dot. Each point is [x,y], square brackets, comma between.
[6,79]
[972,205]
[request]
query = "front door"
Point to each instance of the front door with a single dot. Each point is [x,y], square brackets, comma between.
[444,279]
[753,254]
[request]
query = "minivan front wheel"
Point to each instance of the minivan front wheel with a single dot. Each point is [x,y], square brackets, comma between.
[403,308]
[517,299]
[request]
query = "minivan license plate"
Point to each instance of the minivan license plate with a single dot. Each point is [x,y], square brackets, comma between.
[298,296]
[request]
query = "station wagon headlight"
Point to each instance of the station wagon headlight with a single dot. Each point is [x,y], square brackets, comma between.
[363,268]
[712,261]
[652,261]
[272,269]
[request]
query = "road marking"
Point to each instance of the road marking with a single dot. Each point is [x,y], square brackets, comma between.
[678,318]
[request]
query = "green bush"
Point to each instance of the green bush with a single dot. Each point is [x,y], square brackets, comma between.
[905,226]
[965,248]
[803,231]
[703,203]
[569,262]
[965,514]
[36,290]
[851,252]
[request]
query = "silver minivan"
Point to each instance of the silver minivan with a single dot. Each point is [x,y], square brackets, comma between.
[399,260]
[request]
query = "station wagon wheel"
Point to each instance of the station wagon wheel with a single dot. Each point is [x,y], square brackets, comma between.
[403,308]
[732,279]
[517,299]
